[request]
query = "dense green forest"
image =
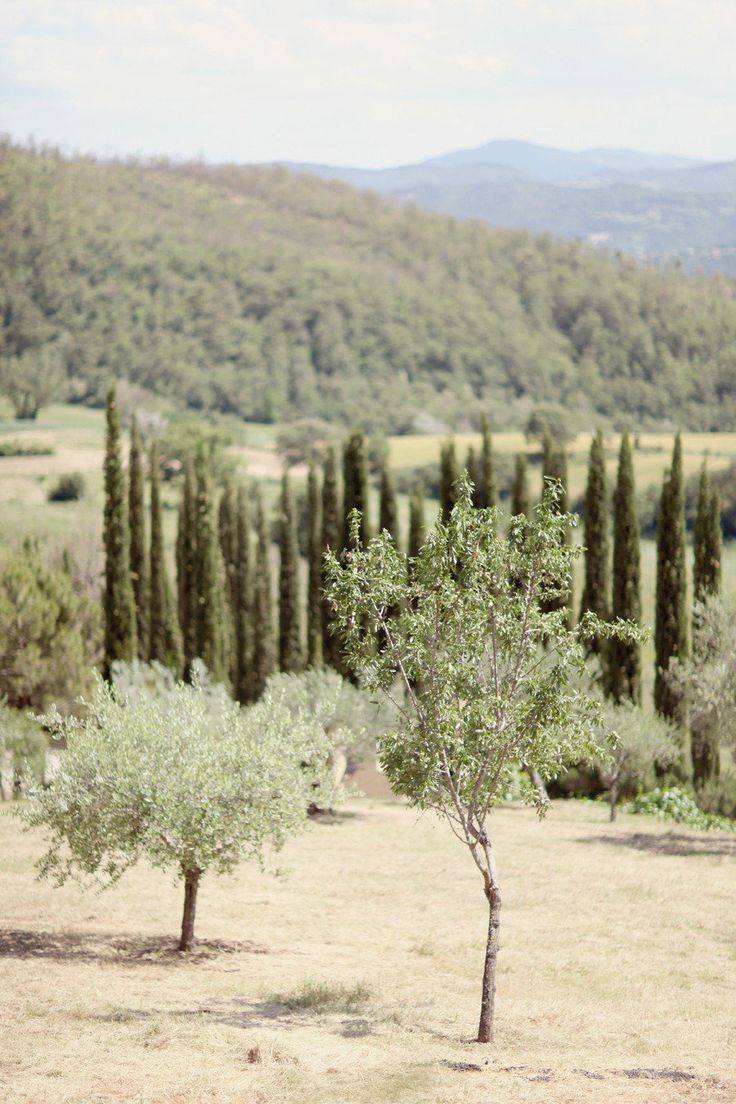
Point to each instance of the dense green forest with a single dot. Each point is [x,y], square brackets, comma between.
[270,295]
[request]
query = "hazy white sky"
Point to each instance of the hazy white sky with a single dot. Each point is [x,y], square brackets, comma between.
[368,82]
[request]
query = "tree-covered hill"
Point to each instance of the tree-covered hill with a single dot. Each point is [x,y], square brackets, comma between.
[271,294]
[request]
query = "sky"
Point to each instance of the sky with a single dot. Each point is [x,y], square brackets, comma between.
[367,82]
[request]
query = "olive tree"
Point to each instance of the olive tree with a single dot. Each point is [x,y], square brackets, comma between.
[188,781]
[633,743]
[486,666]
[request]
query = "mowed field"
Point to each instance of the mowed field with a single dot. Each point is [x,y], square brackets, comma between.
[352,974]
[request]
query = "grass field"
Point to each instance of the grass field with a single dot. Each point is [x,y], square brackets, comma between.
[354,975]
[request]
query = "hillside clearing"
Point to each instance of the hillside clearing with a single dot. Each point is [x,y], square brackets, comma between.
[354,975]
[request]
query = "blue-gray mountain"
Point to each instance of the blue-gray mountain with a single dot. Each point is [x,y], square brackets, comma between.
[656,206]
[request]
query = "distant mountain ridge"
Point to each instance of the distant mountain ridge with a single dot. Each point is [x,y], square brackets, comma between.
[656,206]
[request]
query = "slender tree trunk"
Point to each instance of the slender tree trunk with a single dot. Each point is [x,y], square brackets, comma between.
[613,797]
[538,783]
[485,1027]
[191,885]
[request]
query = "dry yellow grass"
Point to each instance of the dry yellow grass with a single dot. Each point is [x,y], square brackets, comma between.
[619,954]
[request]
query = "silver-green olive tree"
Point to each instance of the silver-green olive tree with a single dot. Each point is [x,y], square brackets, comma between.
[188,781]
[633,743]
[490,680]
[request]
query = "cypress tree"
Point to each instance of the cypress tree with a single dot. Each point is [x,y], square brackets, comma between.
[448,479]
[623,666]
[314,564]
[596,586]
[474,475]
[707,541]
[209,576]
[389,514]
[164,642]
[227,525]
[119,603]
[138,554]
[670,631]
[242,602]
[186,565]
[355,486]
[555,468]
[417,527]
[290,637]
[331,536]
[489,488]
[520,493]
[263,642]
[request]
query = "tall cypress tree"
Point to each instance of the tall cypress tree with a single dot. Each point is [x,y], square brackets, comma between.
[186,565]
[227,524]
[211,643]
[474,475]
[164,642]
[263,642]
[290,621]
[520,494]
[623,664]
[448,479]
[489,492]
[670,631]
[314,569]
[138,553]
[331,537]
[707,541]
[596,586]
[417,526]
[355,486]
[242,601]
[555,468]
[119,604]
[389,514]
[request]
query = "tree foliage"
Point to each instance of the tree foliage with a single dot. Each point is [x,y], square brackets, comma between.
[623,665]
[243,780]
[119,600]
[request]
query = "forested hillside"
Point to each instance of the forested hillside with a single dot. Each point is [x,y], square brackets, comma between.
[270,294]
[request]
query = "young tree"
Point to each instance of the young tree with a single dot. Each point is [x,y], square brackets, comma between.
[138,553]
[263,638]
[520,494]
[243,602]
[473,473]
[314,570]
[486,672]
[489,492]
[119,601]
[290,620]
[670,631]
[388,512]
[448,479]
[633,743]
[417,524]
[331,539]
[355,486]
[164,645]
[623,665]
[243,778]
[596,586]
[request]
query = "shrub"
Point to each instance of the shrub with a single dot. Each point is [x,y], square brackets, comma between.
[677,805]
[718,795]
[18,448]
[24,739]
[68,488]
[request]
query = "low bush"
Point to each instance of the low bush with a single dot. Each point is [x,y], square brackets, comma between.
[68,488]
[718,796]
[18,448]
[325,997]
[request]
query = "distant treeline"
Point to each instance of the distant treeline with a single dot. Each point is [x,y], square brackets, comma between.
[270,295]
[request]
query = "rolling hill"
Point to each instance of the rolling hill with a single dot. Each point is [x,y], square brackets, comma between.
[270,294]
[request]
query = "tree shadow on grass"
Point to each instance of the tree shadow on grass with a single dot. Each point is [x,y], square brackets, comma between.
[669,843]
[108,948]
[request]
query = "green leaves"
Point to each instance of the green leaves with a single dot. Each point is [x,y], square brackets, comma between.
[184,778]
[490,672]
